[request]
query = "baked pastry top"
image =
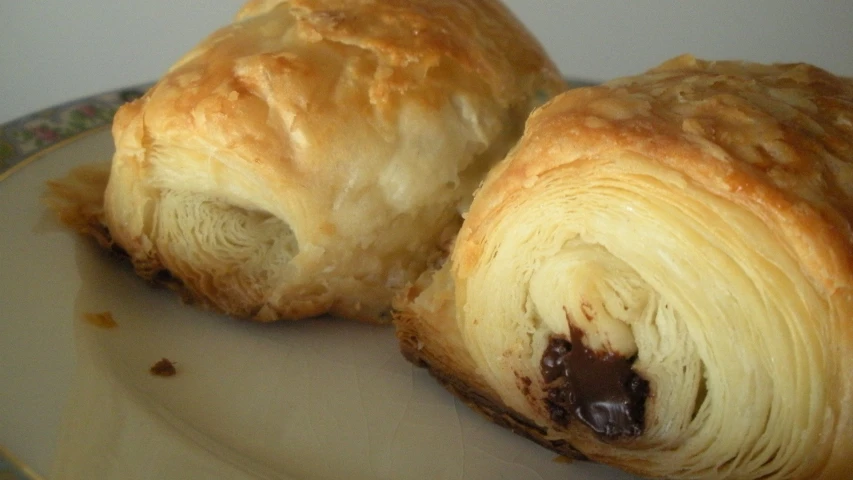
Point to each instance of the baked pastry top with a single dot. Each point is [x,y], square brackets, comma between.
[314,155]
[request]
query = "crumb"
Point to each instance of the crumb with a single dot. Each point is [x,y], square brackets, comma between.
[103,319]
[564,459]
[164,368]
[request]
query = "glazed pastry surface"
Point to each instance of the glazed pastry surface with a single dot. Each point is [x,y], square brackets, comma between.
[314,156]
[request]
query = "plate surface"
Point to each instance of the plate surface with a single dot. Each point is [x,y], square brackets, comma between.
[321,399]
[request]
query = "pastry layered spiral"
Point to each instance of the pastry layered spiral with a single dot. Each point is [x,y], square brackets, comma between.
[660,276]
[313,156]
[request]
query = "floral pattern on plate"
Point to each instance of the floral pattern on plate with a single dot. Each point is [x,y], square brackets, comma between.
[27,136]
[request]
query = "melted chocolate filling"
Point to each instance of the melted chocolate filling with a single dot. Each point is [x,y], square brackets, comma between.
[598,388]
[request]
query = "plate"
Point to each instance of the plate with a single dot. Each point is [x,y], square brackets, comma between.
[319,399]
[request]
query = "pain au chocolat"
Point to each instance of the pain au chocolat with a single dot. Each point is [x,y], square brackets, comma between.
[659,277]
[314,155]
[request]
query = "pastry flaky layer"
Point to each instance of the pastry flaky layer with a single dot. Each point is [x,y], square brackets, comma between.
[658,276]
[313,156]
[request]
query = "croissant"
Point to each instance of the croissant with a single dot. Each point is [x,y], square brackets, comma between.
[659,276]
[313,156]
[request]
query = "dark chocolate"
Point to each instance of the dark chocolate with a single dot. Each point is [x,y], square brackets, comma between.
[598,388]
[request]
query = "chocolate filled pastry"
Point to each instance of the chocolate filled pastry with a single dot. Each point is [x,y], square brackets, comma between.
[659,277]
[314,156]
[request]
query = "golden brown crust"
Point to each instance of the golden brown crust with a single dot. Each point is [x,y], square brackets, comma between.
[342,137]
[694,220]
[786,155]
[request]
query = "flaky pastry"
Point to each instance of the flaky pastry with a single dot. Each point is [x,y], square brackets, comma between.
[314,156]
[660,276]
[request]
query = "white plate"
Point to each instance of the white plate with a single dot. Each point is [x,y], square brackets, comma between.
[322,399]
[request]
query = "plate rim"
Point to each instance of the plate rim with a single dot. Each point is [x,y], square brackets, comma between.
[31,136]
